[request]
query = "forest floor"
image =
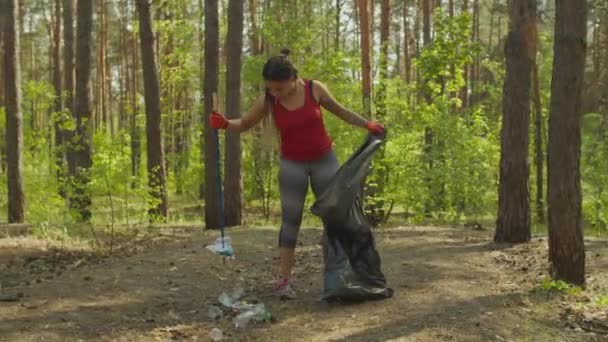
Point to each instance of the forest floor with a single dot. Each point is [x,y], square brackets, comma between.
[451,284]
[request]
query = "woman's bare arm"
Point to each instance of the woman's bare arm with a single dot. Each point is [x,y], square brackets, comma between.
[329,102]
[255,114]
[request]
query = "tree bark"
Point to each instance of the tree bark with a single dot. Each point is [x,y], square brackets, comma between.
[513,223]
[566,246]
[14,124]
[2,97]
[202,185]
[80,145]
[67,136]
[366,57]
[211,53]
[339,5]
[234,197]
[57,86]
[407,62]
[134,126]
[464,91]
[538,147]
[154,134]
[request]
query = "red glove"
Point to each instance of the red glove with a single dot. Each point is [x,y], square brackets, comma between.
[374,127]
[218,121]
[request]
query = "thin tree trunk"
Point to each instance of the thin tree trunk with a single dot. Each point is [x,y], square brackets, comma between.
[366,69]
[154,134]
[464,91]
[134,126]
[513,223]
[202,184]
[123,75]
[406,42]
[14,124]
[475,73]
[493,8]
[234,197]
[68,85]
[2,97]
[339,5]
[81,143]
[211,52]
[566,246]
[428,132]
[57,85]
[538,147]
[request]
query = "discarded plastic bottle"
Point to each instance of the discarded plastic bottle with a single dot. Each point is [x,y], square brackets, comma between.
[222,246]
[257,313]
[214,312]
[216,334]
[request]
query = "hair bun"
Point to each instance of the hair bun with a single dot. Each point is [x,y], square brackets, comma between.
[285,52]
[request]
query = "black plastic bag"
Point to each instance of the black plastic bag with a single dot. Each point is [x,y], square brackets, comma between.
[352,263]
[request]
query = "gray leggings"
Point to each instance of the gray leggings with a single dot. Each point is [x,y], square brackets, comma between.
[293,186]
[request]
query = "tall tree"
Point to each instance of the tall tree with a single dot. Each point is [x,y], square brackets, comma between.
[134,127]
[2,104]
[464,91]
[366,56]
[14,127]
[211,52]
[338,14]
[57,85]
[68,85]
[407,36]
[234,198]
[79,150]
[375,209]
[154,134]
[566,246]
[513,223]
[538,147]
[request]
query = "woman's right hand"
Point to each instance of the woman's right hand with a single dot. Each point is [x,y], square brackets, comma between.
[218,121]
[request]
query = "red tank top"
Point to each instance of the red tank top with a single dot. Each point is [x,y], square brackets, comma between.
[302,132]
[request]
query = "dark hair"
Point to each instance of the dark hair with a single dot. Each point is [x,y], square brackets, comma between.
[279,68]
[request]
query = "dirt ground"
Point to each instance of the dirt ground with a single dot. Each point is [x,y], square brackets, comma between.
[451,284]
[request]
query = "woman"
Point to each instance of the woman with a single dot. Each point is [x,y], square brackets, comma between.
[305,147]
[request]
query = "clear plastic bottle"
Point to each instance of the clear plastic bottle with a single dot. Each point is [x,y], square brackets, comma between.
[216,334]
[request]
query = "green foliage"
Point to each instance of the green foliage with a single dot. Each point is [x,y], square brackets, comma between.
[594,163]
[558,286]
[602,301]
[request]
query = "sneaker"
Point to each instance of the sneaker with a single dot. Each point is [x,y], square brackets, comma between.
[284,290]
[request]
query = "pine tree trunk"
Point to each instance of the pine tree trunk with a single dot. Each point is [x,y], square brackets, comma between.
[68,87]
[14,123]
[407,62]
[154,134]
[133,125]
[202,184]
[211,53]
[464,91]
[80,146]
[57,86]
[366,57]
[538,147]
[493,8]
[339,5]
[234,197]
[2,97]
[566,246]
[475,68]
[513,223]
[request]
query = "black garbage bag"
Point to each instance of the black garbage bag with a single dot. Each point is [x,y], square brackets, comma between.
[352,264]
